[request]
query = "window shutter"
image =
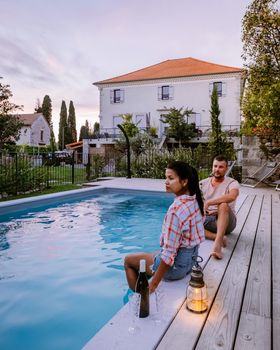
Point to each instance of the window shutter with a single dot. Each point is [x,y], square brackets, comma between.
[210,88]
[121,95]
[112,96]
[224,89]
[171,92]
[159,93]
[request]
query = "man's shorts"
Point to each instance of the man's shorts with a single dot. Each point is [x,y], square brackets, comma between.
[210,223]
[183,263]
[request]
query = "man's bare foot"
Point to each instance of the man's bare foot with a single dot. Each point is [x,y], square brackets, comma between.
[217,255]
[225,241]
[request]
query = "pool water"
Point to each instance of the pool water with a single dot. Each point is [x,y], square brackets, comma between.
[61,267]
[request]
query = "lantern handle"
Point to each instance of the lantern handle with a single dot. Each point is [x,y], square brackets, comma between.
[197,259]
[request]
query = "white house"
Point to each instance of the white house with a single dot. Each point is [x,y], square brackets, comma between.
[188,82]
[35,131]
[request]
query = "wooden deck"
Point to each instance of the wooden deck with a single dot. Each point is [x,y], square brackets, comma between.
[243,288]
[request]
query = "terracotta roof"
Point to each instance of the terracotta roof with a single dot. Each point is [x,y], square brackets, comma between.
[28,119]
[182,67]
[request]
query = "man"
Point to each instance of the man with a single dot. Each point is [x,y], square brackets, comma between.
[219,193]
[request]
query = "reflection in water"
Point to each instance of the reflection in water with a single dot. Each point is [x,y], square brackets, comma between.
[4,244]
[67,260]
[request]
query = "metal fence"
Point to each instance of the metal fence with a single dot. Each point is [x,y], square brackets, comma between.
[22,173]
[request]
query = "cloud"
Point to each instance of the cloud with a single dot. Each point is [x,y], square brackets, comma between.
[61,47]
[17,60]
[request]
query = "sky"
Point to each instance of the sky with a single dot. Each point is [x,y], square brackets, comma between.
[61,47]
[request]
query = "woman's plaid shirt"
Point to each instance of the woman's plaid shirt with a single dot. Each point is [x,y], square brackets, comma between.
[182,227]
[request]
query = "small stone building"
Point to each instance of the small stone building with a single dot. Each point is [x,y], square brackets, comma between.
[35,131]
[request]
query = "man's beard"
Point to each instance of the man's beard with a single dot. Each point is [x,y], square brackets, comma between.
[218,176]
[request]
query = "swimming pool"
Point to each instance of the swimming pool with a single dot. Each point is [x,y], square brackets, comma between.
[61,265]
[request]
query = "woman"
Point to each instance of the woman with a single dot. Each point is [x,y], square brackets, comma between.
[182,230]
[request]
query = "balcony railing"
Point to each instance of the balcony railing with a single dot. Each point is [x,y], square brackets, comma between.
[201,131]
[230,130]
[111,133]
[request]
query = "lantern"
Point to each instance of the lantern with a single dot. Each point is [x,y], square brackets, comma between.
[196,291]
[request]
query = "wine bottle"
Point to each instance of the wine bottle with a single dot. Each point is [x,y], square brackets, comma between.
[142,287]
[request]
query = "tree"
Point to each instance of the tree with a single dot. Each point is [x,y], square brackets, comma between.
[46,110]
[84,131]
[10,124]
[72,123]
[38,107]
[178,127]
[63,127]
[131,131]
[96,128]
[217,139]
[129,127]
[261,53]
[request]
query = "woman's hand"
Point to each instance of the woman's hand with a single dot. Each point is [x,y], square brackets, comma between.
[152,286]
[163,267]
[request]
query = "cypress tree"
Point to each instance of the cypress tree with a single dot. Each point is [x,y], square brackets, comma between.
[46,110]
[72,123]
[217,140]
[63,127]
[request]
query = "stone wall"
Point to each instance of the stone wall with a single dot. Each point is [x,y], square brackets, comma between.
[250,154]
[252,157]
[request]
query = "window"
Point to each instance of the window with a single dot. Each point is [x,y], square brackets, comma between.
[165,92]
[117,96]
[42,135]
[191,119]
[117,119]
[220,86]
[194,118]
[140,120]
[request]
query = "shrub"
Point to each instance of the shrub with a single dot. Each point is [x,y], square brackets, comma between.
[19,175]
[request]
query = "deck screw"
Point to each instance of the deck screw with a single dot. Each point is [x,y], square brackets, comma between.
[220,342]
[247,337]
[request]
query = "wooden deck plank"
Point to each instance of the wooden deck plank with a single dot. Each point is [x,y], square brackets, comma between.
[276,271]
[221,325]
[254,329]
[240,200]
[257,335]
[185,329]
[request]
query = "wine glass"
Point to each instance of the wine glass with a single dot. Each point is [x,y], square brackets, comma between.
[159,315]
[134,300]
